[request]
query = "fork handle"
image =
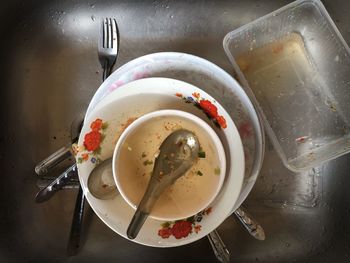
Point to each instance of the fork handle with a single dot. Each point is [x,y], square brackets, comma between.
[77,224]
[106,70]
[74,241]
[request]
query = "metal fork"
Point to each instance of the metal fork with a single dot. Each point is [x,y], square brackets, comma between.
[108,47]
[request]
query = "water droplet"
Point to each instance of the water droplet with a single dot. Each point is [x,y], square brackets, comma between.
[92,6]
[172,16]
[93,18]
[284,205]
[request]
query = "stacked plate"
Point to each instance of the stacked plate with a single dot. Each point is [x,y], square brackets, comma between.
[173,81]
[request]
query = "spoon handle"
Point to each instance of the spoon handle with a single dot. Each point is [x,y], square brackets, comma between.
[218,246]
[253,227]
[136,223]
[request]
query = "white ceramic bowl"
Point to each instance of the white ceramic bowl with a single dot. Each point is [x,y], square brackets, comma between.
[102,128]
[197,191]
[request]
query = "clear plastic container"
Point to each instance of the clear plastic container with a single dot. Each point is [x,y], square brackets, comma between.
[295,66]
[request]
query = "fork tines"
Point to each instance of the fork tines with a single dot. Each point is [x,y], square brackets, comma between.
[110,33]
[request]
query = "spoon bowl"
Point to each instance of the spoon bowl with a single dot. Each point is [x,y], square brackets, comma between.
[101,183]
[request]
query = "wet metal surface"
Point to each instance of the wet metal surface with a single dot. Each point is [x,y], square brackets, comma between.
[49,71]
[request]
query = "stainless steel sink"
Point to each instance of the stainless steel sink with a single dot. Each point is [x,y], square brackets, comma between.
[49,72]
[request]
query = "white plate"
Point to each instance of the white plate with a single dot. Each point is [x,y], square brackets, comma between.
[210,78]
[118,109]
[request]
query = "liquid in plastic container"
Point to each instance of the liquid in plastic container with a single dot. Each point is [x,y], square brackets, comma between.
[295,66]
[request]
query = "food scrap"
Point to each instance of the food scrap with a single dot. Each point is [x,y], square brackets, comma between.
[311,156]
[147,162]
[199,173]
[301,139]
[125,125]
[278,48]
[217,171]
[331,105]
[201,154]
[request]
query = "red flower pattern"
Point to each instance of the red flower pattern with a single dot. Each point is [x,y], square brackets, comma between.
[165,232]
[96,125]
[212,111]
[181,229]
[222,122]
[209,108]
[92,141]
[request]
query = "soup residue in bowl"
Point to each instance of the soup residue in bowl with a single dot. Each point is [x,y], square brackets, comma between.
[191,192]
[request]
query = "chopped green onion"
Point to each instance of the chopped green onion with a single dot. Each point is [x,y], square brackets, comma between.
[199,173]
[201,154]
[217,171]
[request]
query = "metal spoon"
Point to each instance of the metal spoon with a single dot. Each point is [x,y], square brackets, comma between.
[178,152]
[101,183]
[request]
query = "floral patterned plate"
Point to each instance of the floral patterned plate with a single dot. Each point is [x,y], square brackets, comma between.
[210,78]
[102,128]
